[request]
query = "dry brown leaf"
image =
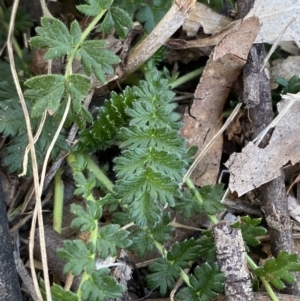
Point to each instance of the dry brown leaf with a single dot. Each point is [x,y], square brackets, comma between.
[255,166]
[235,128]
[204,16]
[276,16]
[205,118]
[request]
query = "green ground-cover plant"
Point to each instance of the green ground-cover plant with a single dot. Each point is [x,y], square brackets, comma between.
[153,161]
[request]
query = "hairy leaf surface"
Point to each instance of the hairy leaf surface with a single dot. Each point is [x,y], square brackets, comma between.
[78,255]
[109,238]
[95,57]
[101,286]
[94,7]
[117,18]
[55,35]
[45,92]
[78,86]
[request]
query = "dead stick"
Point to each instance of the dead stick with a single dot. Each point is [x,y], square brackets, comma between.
[160,34]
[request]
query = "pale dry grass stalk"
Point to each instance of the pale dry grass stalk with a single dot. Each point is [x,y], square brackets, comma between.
[38,207]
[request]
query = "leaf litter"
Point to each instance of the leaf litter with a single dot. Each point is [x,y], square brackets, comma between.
[255,166]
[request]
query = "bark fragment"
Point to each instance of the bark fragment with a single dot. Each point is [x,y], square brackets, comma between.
[231,256]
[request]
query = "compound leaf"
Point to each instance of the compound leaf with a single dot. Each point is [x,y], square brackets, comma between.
[101,286]
[145,210]
[84,185]
[78,255]
[206,284]
[250,229]
[46,92]
[143,239]
[164,275]
[15,151]
[109,238]
[147,182]
[207,247]
[188,205]
[211,198]
[147,137]
[109,120]
[78,86]
[86,219]
[182,253]
[55,35]
[161,162]
[95,57]
[278,270]
[117,18]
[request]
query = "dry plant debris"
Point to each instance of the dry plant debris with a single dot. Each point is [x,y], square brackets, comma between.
[255,166]
[204,16]
[204,120]
[274,16]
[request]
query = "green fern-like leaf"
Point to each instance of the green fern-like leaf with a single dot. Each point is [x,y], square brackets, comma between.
[153,160]
[110,119]
[163,275]
[205,284]
[277,271]
[143,239]
[86,219]
[166,271]
[95,57]
[250,229]
[59,294]
[22,24]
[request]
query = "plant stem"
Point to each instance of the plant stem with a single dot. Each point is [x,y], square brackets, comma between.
[266,284]
[58,200]
[187,77]
[93,238]
[93,233]
[91,165]
[82,39]
[197,195]
[160,249]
